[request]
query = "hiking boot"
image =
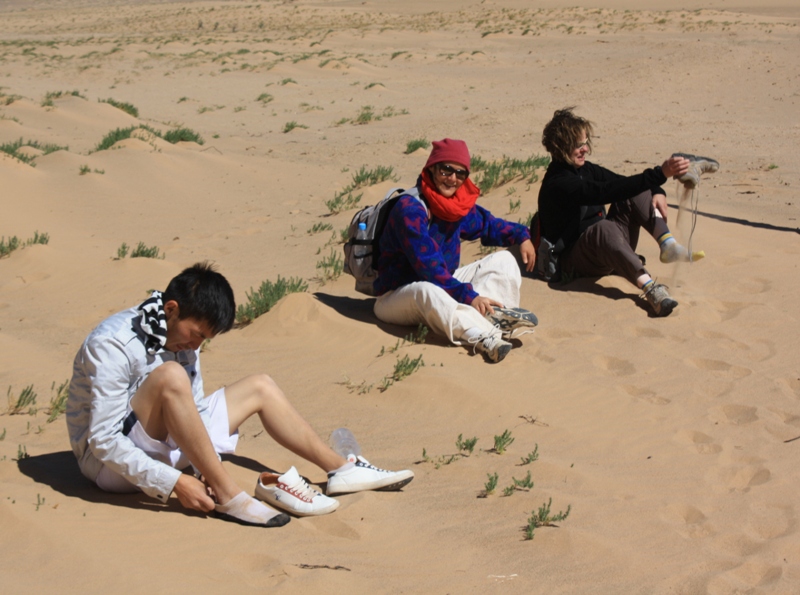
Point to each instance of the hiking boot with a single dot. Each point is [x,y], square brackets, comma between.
[697,167]
[658,297]
[510,319]
[363,476]
[492,347]
[291,493]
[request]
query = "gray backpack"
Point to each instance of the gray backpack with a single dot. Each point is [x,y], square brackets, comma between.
[361,249]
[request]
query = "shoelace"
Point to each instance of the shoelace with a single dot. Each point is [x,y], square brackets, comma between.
[302,489]
[480,338]
[365,463]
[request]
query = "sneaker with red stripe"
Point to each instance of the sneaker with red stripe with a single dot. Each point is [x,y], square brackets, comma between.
[291,493]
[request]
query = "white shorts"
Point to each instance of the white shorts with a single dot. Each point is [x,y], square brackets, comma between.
[167,451]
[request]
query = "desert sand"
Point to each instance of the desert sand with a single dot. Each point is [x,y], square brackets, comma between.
[671,440]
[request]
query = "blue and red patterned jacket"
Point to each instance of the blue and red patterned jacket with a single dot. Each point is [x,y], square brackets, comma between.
[416,248]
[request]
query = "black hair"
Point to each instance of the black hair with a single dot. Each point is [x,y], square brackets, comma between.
[203,294]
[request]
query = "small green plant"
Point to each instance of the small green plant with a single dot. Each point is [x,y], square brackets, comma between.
[514,205]
[531,456]
[25,401]
[491,485]
[265,98]
[365,116]
[418,337]
[509,490]
[772,166]
[362,388]
[343,202]
[38,238]
[332,266]
[286,81]
[319,228]
[289,126]
[369,86]
[417,143]
[3,435]
[502,442]
[119,134]
[403,368]
[84,169]
[58,402]
[183,135]
[369,177]
[543,518]
[8,246]
[526,483]
[121,105]
[39,501]
[526,221]
[50,96]
[144,251]
[122,251]
[266,296]
[467,445]
[22,453]
[492,174]
[13,148]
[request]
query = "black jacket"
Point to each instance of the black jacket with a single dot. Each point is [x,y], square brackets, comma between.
[572,199]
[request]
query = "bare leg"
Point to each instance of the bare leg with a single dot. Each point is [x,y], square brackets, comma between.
[164,405]
[260,394]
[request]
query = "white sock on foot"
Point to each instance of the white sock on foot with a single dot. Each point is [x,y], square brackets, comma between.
[247,510]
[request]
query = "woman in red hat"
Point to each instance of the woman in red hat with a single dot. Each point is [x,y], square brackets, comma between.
[419,279]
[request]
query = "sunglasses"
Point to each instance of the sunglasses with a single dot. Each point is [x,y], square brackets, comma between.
[446,171]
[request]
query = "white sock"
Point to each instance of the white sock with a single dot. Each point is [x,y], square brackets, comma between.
[246,509]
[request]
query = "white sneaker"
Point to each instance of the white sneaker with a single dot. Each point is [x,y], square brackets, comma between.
[291,493]
[363,476]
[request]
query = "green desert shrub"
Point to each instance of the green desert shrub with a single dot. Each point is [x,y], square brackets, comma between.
[262,300]
[125,107]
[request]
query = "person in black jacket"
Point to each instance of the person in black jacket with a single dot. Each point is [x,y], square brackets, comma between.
[572,216]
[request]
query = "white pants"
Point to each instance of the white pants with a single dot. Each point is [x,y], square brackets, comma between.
[496,276]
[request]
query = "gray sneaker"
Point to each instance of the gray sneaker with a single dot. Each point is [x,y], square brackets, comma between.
[492,347]
[697,167]
[510,319]
[658,297]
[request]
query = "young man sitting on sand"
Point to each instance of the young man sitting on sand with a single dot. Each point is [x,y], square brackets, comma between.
[136,413]
[572,215]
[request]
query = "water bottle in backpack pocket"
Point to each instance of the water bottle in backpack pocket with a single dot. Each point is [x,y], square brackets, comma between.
[366,227]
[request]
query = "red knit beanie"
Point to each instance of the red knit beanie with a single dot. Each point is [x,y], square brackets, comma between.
[449,150]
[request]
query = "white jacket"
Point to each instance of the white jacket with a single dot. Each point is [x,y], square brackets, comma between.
[110,366]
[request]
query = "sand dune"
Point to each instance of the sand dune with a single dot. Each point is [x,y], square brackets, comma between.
[670,439]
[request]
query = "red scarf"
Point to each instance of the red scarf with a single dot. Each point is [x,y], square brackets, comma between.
[450,209]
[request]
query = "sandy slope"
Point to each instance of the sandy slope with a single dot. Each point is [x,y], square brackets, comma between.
[667,437]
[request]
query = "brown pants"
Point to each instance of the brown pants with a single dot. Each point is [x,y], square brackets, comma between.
[608,247]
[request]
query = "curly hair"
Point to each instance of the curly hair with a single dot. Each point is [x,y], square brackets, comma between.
[563,134]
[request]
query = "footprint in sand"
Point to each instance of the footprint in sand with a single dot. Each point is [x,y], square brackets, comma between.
[702,443]
[648,333]
[719,367]
[615,365]
[771,522]
[743,478]
[736,544]
[743,578]
[730,310]
[736,415]
[645,394]
[688,520]
[754,286]
[790,385]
